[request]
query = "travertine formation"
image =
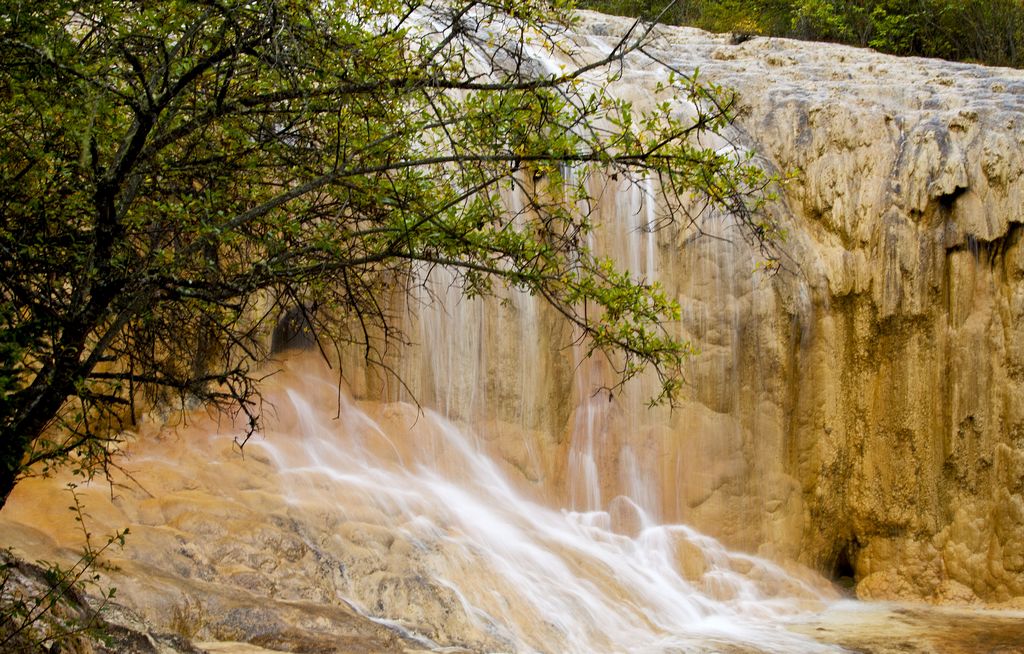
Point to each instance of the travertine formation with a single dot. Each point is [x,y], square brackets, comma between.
[878,390]
[861,411]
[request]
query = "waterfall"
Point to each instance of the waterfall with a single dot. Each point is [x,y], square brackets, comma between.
[537,511]
[862,416]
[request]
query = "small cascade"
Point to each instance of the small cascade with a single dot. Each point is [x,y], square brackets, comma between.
[523,576]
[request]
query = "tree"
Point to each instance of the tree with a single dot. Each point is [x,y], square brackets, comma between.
[177,175]
[984,31]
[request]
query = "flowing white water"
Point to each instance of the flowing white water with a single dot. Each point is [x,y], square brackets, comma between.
[580,559]
[530,577]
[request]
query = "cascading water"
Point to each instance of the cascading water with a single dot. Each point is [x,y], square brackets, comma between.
[575,560]
[526,577]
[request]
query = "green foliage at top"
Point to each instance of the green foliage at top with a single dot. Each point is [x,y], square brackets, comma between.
[982,31]
[175,175]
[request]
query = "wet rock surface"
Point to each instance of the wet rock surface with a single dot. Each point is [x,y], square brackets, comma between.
[257,562]
[909,629]
[77,623]
[874,388]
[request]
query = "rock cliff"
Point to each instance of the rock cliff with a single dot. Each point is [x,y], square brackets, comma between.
[860,411]
[877,385]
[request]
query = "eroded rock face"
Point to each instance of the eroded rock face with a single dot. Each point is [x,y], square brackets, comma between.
[860,412]
[881,384]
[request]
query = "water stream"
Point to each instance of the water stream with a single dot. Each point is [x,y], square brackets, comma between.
[528,577]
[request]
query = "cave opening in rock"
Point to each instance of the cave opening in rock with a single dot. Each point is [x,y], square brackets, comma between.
[294,330]
[947,200]
[843,572]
